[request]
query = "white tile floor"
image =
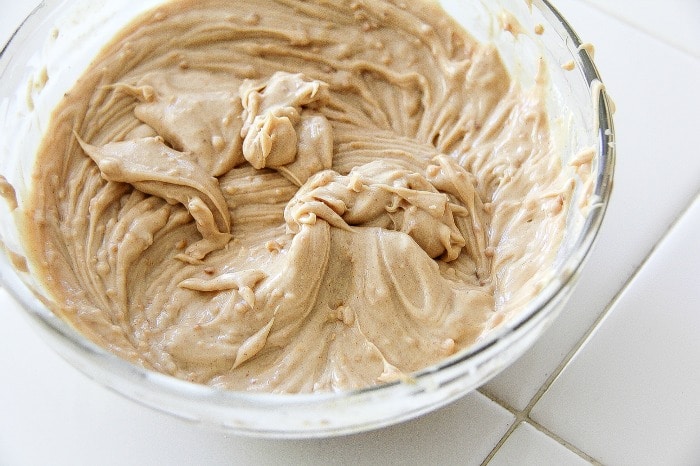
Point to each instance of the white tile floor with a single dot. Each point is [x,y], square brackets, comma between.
[616,380]
[631,394]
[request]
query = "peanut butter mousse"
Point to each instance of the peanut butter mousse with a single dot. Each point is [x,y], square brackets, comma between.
[295,196]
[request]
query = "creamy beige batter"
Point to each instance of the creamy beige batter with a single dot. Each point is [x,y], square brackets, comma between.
[295,196]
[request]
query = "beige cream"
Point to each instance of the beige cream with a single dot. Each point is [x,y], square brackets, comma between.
[295,196]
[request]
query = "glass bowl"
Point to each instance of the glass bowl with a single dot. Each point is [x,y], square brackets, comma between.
[580,113]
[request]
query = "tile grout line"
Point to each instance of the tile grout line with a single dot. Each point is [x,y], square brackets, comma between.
[524,415]
[520,418]
[643,29]
[568,445]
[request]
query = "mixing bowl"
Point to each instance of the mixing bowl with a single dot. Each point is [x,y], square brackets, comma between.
[59,39]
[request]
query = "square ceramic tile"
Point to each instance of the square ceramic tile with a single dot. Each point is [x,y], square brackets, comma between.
[527,446]
[656,177]
[672,21]
[631,395]
[51,414]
